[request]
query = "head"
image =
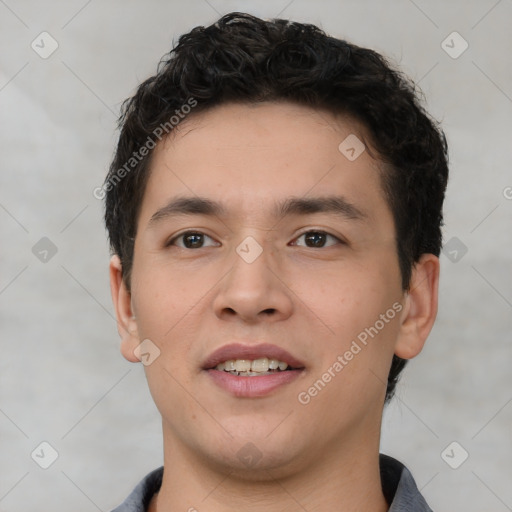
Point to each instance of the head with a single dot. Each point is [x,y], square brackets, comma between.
[245,59]
[280,79]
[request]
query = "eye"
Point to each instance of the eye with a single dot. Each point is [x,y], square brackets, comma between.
[317,239]
[191,240]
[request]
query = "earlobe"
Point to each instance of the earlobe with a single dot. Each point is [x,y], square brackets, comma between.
[420,308]
[126,321]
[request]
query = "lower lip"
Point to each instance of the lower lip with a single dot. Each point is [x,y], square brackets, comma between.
[252,387]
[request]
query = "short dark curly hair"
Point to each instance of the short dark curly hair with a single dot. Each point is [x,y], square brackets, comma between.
[242,58]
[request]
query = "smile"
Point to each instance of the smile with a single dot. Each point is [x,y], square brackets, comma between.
[269,367]
[252,368]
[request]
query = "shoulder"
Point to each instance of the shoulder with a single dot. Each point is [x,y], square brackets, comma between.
[139,498]
[399,487]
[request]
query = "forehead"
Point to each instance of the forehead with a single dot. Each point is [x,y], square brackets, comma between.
[252,156]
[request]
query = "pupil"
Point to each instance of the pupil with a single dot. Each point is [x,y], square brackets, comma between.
[317,239]
[193,240]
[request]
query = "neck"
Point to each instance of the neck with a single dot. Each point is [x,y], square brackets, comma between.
[346,478]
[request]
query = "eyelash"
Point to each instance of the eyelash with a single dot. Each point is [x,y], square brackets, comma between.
[316,231]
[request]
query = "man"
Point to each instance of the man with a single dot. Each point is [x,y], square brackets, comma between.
[274,210]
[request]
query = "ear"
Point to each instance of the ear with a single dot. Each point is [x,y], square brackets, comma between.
[126,321]
[420,308]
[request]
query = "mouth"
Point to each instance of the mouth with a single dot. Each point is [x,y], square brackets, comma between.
[252,370]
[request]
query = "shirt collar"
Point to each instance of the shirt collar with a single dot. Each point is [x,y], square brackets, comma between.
[398,486]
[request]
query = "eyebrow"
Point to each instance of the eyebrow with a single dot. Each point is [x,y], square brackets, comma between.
[337,205]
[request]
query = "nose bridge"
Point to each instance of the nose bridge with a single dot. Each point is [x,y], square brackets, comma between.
[252,266]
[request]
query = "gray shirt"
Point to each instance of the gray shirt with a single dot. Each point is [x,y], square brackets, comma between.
[398,487]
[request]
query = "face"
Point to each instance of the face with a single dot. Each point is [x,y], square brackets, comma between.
[259,239]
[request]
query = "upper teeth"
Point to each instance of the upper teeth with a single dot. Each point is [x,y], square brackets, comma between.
[257,365]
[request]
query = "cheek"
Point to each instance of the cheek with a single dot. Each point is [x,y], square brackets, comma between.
[362,309]
[349,297]
[351,375]
[163,297]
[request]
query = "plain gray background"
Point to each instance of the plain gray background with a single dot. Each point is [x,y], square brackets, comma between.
[62,378]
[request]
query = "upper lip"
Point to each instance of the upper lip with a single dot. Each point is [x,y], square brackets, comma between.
[241,351]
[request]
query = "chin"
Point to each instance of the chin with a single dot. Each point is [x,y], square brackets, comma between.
[264,467]
[258,458]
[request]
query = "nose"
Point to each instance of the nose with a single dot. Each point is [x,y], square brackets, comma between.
[253,291]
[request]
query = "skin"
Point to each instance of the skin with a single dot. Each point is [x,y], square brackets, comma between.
[312,301]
